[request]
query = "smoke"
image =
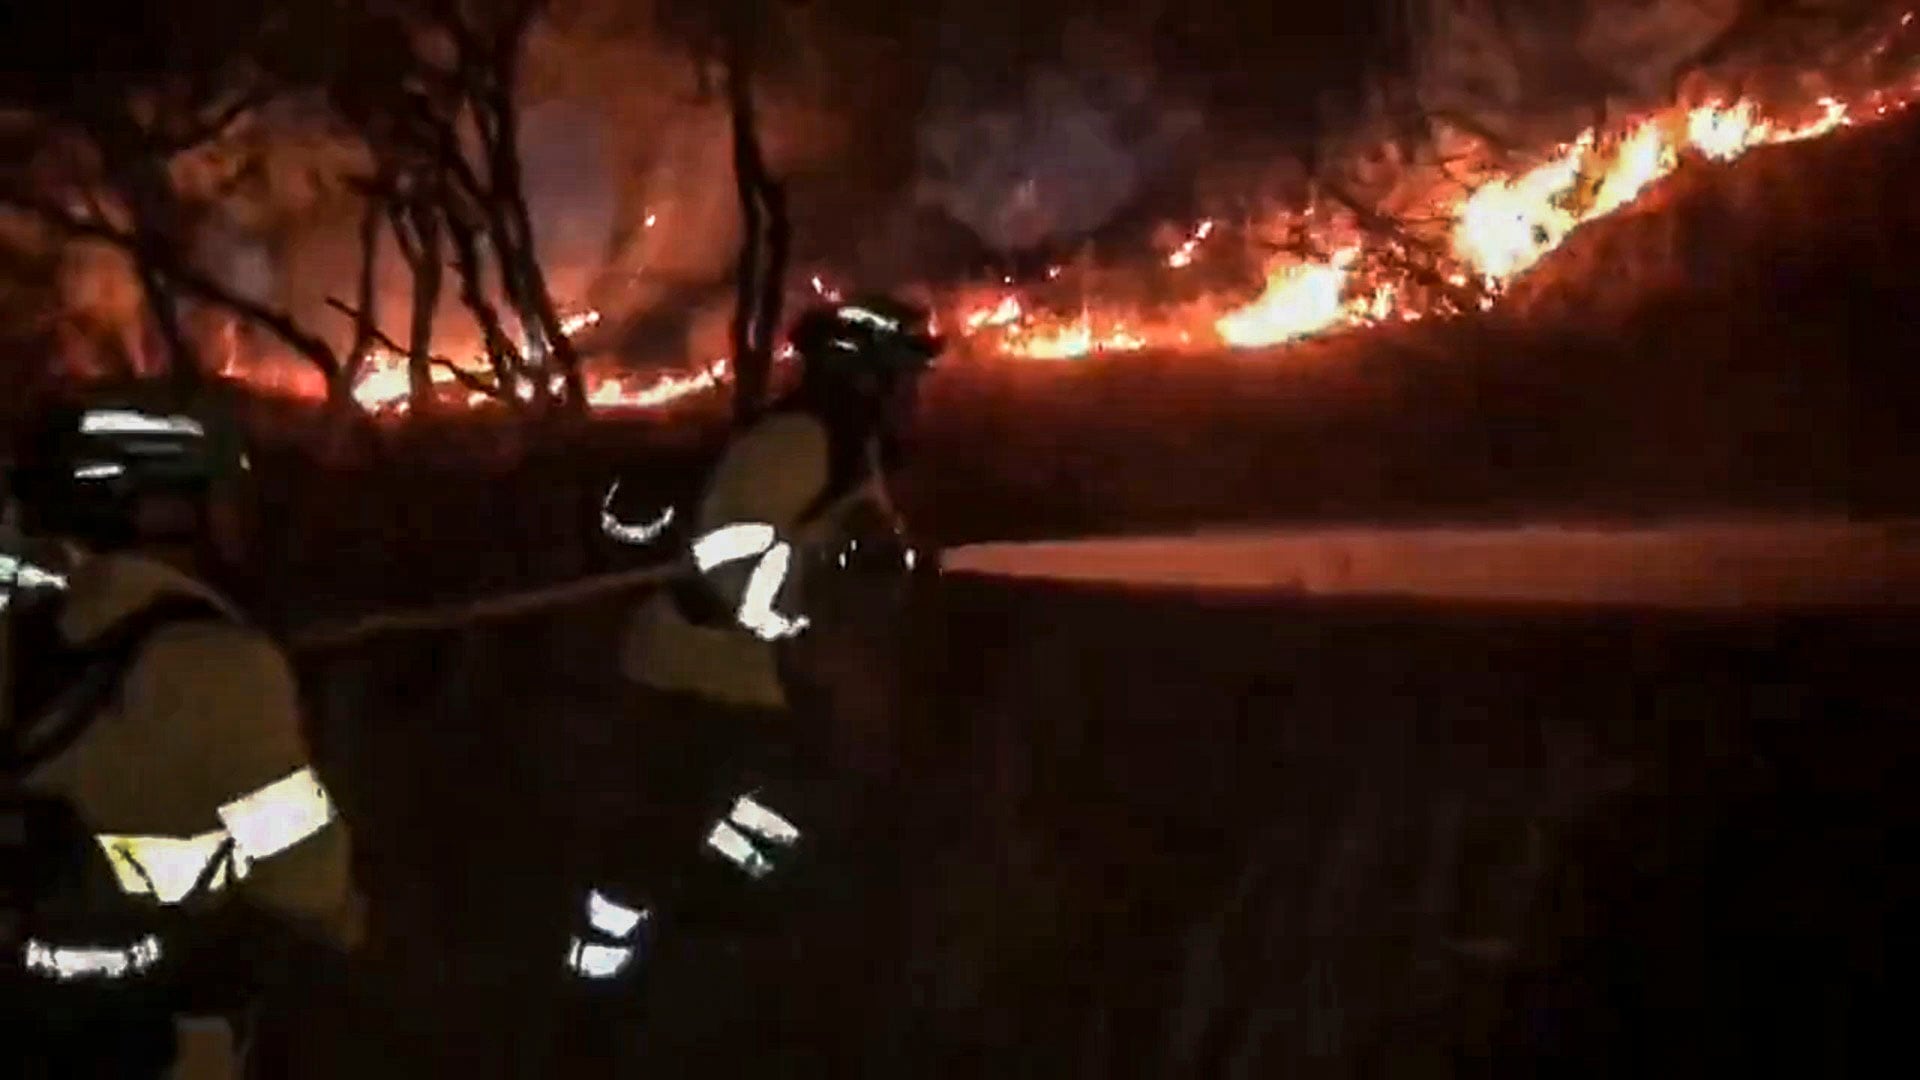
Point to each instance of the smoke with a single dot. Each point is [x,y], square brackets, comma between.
[100,328]
[571,191]
[630,170]
[1055,151]
[1524,69]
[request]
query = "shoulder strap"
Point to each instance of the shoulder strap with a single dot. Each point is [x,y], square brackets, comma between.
[104,662]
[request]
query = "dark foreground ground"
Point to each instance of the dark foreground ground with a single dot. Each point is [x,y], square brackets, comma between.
[1167,835]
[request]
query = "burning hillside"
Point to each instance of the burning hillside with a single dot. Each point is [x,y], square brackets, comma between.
[1449,242]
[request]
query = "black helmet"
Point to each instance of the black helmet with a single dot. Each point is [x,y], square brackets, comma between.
[874,334]
[83,467]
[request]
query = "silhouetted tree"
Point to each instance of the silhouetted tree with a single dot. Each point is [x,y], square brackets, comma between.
[426,88]
[731,42]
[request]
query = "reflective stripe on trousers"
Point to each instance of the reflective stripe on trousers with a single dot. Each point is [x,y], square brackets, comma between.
[734,836]
[613,941]
[71,962]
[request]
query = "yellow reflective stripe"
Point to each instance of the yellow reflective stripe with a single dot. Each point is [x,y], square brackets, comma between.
[261,825]
[278,816]
[165,867]
[79,962]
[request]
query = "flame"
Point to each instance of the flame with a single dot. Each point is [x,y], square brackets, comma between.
[1508,225]
[1494,232]
[1300,300]
[1070,341]
[629,393]
[1183,255]
[1488,232]
[1007,312]
[383,385]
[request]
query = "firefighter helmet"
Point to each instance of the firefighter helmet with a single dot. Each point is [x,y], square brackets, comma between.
[85,466]
[869,334]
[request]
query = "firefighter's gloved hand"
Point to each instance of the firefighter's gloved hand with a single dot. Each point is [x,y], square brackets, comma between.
[924,559]
[871,554]
[891,555]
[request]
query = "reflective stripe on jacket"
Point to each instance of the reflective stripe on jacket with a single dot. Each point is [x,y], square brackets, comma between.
[201,753]
[771,474]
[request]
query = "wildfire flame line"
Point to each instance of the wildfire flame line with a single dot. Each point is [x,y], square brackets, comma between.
[1494,232]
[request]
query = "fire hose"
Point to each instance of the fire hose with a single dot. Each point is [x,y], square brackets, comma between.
[1689,565]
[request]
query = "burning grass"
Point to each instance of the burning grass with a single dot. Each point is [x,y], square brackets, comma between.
[1477,232]
[1736,341]
[1740,344]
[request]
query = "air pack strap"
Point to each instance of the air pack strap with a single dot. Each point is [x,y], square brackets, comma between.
[54,708]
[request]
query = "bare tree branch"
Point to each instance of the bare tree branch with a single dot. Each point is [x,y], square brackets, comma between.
[461,375]
[468,379]
[367,315]
[761,281]
[179,275]
[536,298]
[501,354]
[206,129]
[1424,269]
[416,226]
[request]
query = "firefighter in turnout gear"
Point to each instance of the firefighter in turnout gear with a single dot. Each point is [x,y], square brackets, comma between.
[165,844]
[728,658]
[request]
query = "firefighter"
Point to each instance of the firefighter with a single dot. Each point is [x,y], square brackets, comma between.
[730,659]
[169,845]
